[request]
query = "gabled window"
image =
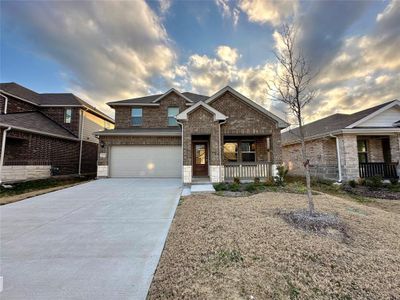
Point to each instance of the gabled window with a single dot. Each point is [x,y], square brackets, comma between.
[67,115]
[248,151]
[136,115]
[172,113]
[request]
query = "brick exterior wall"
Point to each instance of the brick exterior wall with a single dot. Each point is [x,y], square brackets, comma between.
[57,114]
[104,152]
[24,148]
[243,119]
[321,153]
[15,105]
[153,116]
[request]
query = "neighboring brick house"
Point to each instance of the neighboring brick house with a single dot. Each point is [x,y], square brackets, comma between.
[345,147]
[192,136]
[45,133]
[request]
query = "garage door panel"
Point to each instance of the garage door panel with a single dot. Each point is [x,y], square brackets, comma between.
[146,161]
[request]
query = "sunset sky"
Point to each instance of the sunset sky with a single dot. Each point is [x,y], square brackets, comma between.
[112,50]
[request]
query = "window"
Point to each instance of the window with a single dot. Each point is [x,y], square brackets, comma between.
[248,151]
[362,151]
[231,151]
[68,115]
[137,116]
[172,113]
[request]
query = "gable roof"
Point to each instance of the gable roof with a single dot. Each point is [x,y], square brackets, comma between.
[335,122]
[49,99]
[150,100]
[172,91]
[281,123]
[36,122]
[218,116]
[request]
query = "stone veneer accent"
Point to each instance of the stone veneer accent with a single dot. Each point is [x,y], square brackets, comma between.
[187,174]
[20,173]
[216,173]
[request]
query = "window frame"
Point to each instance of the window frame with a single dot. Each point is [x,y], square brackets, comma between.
[365,153]
[249,151]
[236,152]
[137,117]
[67,117]
[172,117]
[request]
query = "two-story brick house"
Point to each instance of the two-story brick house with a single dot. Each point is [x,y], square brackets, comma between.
[45,133]
[192,136]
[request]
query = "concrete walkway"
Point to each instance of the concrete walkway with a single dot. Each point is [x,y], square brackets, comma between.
[99,240]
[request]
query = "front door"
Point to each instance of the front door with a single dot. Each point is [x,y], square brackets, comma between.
[200,159]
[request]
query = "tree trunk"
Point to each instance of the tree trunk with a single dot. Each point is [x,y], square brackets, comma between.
[308,178]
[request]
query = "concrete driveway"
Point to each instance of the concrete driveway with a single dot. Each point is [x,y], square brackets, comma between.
[99,240]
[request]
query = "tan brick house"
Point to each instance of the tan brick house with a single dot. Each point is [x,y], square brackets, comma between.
[192,136]
[44,134]
[344,147]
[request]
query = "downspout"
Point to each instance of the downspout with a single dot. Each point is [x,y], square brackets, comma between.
[5,104]
[220,152]
[81,143]
[183,179]
[338,157]
[3,150]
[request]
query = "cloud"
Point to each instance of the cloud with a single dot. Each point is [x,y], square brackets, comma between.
[273,12]
[228,54]
[110,49]
[165,5]
[228,11]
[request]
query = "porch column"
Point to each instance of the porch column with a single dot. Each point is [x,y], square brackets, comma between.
[349,156]
[395,150]
[187,171]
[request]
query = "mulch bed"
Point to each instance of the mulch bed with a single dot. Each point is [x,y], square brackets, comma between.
[239,248]
[381,193]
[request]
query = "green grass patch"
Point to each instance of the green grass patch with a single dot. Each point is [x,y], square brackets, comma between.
[41,184]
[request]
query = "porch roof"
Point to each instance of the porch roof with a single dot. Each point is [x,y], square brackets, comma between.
[339,123]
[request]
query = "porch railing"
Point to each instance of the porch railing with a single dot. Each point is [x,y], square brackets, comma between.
[385,170]
[247,170]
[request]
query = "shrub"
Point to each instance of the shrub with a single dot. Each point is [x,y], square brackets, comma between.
[352,183]
[257,180]
[234,187]
[236,180]
[251,188]
[361,181]
[374,182]
[220,186]
[269,182]
[282,172]
[394,181]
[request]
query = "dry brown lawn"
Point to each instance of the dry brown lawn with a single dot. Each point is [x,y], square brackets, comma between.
[238,248]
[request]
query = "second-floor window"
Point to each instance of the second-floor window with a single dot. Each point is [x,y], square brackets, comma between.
[137,114]
[172,113]
[67,115]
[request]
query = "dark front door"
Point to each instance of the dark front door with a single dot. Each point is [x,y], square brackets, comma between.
[386,150]
[200,159]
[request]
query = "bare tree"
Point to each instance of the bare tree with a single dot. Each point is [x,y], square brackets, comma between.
[292,86]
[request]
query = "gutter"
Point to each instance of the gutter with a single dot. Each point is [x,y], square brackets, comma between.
[5,104]
[81,141]
[338,157]
[183,175]
[3,150]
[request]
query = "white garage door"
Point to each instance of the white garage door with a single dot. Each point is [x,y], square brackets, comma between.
[146,161]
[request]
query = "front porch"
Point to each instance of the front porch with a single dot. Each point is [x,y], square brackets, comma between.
[376,155]
[243,157]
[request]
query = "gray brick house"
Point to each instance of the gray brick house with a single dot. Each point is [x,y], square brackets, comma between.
[192,136]
[349,146]
[44,132]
